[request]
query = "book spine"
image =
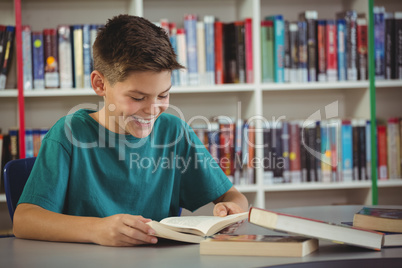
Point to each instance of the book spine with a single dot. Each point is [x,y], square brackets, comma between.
[248,46]
[341,30]
[251,154]
[294,152]
[347,151]
[267,51]
[86,43]
[333,143]
[331,51]
[303,154]
[325,153]
[294,52]
[93,32]
[38,61]
[219,54]
[356,145]
[303,69]
[279,49]
[201,56]
[321,51]
[210,49]
[351,52]
[29,145]
[311,137]
[227,149]
[389,46]
[398,45]
[368,149]
[393,140]
[240,52]
[51,58]
[190,26]
[287,53]
[311,19]
[182,56]
[14,148]
[173,41]
[8,52]
[285,152]
[213,141]
[318,149]
[379,42]
[2,44]
[36,141]
[362,150]
[230,63]
[65,57]
[382,152]
[278,160]
[362,48]
[267,162]
[238,151]
[78,57]
[27,57]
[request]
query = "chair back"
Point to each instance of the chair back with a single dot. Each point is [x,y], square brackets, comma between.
[16,173]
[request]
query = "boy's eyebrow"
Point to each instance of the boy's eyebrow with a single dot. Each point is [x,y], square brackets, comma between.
[146,94]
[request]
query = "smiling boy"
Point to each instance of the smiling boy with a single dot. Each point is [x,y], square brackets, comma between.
[84,186]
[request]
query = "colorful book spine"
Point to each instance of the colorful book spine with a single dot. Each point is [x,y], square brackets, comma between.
[356,145]
[321,51]
[173,41]
[294,152]
[268,170]
[27,57]
[398,45]
[310,16]
[325,152]
[29,143]
[38,61]
[303,69]
[248,46]
[389,46]
[347,151]
[341,49]
[277,150]
[227,148]
[382,152]
[182,56]
[303,154]
[279,47]
[65,57]
[51,58]
[331,51]
[190,27]
[368,149]
[238,151]
[287,54]
[318,158]
[362,48]
[2,38]
[201,56]
[379,42]
[8,52]
[219,53]
[240,52]
[351,48]
[267,51]
[209,22]
[86,53]
[294,52]
[334,140]
[285,152]
[93,32]
[78,56]
[213,141]
[362,150]
[393,142]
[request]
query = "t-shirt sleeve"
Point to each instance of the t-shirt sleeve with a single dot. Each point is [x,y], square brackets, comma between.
[48,181]
[203,180]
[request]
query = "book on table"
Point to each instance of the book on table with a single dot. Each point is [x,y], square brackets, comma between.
[194,229]
[337,233]
[258,245]
[379,219]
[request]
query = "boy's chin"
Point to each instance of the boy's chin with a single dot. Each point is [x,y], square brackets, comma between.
[140,133]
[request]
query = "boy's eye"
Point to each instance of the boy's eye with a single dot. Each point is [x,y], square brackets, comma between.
[138,99]
[164,97]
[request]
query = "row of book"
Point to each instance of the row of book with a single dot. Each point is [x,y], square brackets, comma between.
[58,58]
[304,151]
[9,146]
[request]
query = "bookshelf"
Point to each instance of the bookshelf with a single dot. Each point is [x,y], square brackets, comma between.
[292,100]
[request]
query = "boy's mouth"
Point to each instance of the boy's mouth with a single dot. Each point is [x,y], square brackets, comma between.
[143,121]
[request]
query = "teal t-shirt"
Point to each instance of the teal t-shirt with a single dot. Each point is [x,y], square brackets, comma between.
[84,169]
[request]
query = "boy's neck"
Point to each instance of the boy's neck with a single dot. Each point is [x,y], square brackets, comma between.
[100,117]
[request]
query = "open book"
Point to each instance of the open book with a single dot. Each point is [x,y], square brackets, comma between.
[193,229]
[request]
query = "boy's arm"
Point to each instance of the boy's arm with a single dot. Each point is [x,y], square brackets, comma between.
[231,202]
[33,222]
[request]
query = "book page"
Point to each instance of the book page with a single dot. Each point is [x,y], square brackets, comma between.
[202,224]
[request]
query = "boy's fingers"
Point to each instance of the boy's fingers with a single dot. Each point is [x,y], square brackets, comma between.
[220,210]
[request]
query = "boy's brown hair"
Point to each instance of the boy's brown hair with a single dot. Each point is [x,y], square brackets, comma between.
[129,43]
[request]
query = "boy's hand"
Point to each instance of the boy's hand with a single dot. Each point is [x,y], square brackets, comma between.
[123,230]
[223,209]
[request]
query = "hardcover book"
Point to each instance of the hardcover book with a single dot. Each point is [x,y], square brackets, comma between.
[380,219]
[27,57]
[258,245]
[51,58]
[8,52]
[267,51]
[341,49]
[38,61]
[338,233]
[65,56]
[193,229]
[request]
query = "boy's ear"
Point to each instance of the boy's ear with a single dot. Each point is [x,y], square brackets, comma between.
[98,83]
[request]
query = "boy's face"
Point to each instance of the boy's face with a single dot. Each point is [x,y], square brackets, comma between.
[132,106]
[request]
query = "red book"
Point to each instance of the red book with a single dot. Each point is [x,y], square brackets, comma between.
[51,58]
[331,51]
[294,152]
[362,48]
[248,28]
[382,152]
[219,53]
[321,46]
